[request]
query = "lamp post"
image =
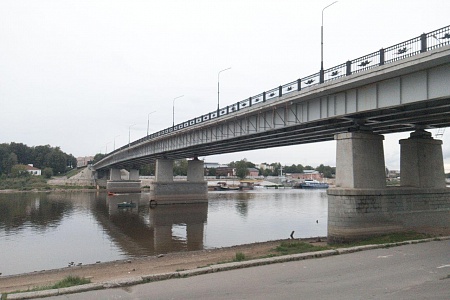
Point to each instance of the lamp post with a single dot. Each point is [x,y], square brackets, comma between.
[148,120]
[173,110]
[106,147]
[218,88]
[115,141]
[321,45]
[129,134]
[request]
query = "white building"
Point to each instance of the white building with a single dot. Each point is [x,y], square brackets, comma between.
[32,170]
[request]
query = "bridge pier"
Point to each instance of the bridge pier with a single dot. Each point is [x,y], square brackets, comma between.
[116,184]
[164,190]
[361,205]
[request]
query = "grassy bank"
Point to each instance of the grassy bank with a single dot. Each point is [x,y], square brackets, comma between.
[64,283]
[35,183]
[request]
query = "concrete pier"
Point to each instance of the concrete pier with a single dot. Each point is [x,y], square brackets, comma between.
[164,190]
[116,184]
[362,206]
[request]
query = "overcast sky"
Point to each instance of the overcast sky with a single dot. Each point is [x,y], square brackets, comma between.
[78,74]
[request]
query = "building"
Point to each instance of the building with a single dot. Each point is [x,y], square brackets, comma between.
[225,171]
[252,172]
[84,161]
[32,170]
[307,174]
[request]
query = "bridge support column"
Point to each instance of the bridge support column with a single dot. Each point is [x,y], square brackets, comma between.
[164,190]
[360,160]
[115,184]
[164,170]
[133,175]
[114,174]
[421,161]
[361,206]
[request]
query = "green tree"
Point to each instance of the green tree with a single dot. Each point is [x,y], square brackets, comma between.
[56,160]
[180,167]
[23,152]
[326,171]
[19,171]
[241,169]
[98,157]
[39,155]
[47,172]
[147,169]
[9,162]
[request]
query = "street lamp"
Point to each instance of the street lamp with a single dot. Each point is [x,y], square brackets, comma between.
[218,88]
[321,45]
[115,141]
[148,120]
[106,147]
[129,134]
[173,110]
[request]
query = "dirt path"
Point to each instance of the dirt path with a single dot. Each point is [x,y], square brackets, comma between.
[140,266]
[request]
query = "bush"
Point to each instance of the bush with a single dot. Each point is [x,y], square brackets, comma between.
[47,173]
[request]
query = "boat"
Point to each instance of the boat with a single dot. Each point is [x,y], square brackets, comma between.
[126,204]
[222,186]
[312,184]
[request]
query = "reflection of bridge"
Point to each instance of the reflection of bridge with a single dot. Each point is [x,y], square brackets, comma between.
[144,231]
[400,88]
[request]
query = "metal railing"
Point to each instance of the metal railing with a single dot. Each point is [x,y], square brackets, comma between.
[424,42]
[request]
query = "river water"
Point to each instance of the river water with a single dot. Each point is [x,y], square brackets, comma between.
[49,230]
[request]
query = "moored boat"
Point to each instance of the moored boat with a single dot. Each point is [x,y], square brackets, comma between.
[312,184]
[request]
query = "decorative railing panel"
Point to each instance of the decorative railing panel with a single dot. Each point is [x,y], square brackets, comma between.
[424,42]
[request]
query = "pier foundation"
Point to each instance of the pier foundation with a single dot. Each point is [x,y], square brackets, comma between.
[363,207]
[164,190]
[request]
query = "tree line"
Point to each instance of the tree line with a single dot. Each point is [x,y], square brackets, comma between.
[241,167]
[50,159]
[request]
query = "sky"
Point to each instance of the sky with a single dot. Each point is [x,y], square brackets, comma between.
[87,76]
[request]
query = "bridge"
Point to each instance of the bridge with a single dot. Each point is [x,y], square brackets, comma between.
[404,87]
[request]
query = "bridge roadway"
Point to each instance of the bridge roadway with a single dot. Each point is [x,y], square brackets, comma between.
[402,95]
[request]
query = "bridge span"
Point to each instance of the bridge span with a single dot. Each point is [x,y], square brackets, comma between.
[401,88]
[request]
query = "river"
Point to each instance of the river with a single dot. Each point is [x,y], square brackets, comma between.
[50,230]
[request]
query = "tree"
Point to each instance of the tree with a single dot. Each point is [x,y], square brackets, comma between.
[241,169]
[39,154]
[47,173]
[56,160]
[23,152]
[98,157]
[9,162]
[180,167]
[147,170]
[19,171]
[326,171]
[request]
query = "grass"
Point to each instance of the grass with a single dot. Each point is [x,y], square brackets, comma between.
[66,282]
[295,247]
[24,183]
[386,239]
[239,256]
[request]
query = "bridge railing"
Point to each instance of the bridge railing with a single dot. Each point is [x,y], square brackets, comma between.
[424,42]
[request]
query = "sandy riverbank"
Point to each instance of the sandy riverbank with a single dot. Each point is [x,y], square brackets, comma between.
[123,269]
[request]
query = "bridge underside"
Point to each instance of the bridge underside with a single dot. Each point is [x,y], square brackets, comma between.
[404,118]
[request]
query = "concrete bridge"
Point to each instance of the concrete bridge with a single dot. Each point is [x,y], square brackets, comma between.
[401,88]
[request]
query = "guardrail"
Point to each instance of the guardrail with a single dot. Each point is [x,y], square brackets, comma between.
[424,42]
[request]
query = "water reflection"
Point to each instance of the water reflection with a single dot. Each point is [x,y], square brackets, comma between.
[58,228]
[39,212]
[144,230]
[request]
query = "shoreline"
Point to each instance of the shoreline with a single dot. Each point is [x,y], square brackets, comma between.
[143,266]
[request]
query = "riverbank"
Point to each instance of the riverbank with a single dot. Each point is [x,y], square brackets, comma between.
[130,268]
